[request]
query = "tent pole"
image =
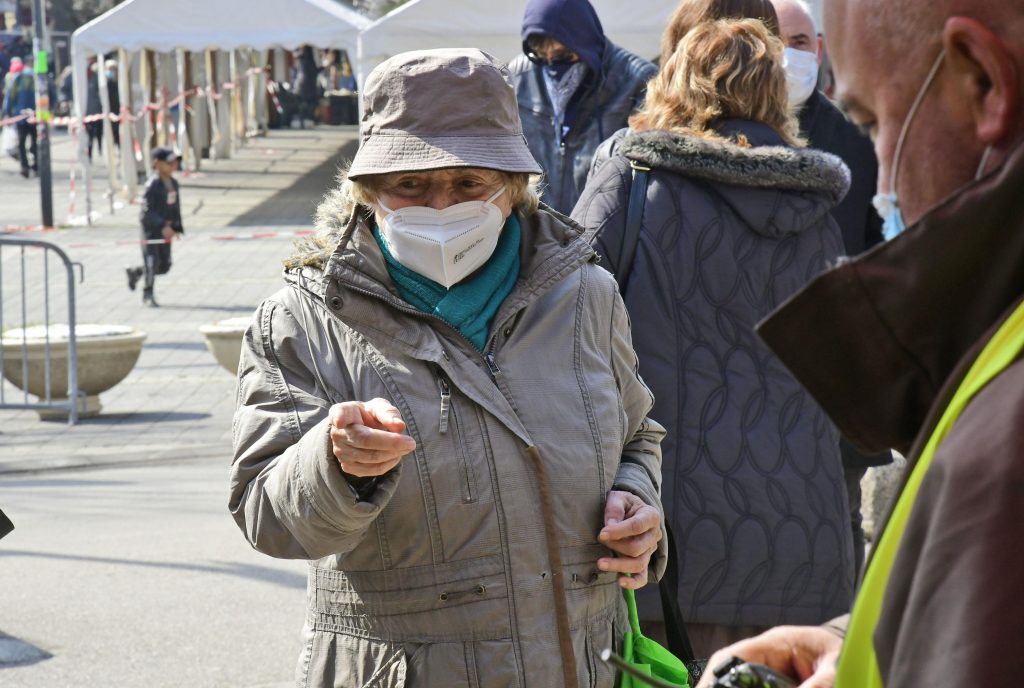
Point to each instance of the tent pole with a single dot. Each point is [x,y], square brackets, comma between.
[129,173]
[182,123]
[108,131]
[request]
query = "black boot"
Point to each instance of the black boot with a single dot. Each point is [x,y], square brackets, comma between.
[148,300]
[134,274]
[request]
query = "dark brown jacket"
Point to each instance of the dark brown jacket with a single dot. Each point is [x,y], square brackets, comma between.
[883,343]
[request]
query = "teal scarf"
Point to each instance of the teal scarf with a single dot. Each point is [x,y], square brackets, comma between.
[470,305]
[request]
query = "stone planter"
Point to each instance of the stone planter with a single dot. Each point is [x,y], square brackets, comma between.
[106,354]
[224,340]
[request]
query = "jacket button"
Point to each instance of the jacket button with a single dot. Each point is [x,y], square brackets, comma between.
[508,331]
[335,302]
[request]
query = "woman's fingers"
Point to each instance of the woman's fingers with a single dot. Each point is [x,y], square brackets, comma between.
[366,437]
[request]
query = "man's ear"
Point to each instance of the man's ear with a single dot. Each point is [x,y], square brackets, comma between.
[987,76]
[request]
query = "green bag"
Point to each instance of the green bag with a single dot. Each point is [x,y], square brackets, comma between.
[647,656]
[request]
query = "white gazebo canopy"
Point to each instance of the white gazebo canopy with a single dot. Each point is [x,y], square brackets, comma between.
[220,24]
[197,26]
[494,26]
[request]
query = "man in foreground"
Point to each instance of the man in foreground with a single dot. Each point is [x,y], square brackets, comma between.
[921,350]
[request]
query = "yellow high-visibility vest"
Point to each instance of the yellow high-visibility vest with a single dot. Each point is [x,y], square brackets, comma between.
[858,663]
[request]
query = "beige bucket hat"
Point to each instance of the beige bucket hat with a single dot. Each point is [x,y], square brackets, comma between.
[429,109]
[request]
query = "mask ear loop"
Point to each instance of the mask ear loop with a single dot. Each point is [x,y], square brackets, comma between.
[984,161]
[910,118]
[309,346]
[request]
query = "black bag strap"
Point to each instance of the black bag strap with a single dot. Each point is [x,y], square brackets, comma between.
[634,216]
[675,627]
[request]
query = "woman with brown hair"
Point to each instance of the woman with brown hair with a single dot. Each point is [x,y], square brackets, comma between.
[689,14]
[735,219]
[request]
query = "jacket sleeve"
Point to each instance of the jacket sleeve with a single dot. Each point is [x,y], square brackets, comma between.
[288,494]
[640,469]
[152,212]
[601,210]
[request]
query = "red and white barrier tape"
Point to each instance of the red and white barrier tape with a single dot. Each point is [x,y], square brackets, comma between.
[253,236]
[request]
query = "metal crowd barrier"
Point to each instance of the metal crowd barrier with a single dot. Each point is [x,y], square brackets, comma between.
[34,309]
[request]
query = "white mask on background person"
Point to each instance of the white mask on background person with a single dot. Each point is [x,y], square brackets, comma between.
[801,74]
[444,245]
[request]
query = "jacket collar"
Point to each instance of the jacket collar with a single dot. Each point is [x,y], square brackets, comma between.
[877,339]
[761,166]
[345,257]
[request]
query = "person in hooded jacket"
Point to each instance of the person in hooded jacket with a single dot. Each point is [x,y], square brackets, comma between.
[575,88]
[441,410]
[736,220]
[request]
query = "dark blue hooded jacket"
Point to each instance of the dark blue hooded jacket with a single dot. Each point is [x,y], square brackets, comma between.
[573,23]
[612,91]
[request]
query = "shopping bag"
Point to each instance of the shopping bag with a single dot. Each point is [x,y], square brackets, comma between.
[647,656]
[9,140]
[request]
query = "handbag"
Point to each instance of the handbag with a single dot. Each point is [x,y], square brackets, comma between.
[647,658]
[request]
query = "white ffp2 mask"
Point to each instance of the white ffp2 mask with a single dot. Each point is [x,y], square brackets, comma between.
[801,74]
[444,245]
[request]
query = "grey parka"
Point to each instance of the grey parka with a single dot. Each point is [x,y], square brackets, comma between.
[474,562]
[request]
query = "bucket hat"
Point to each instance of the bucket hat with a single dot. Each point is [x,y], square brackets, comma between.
[430,109]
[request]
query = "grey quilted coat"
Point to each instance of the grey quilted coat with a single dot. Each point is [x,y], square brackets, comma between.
[473,563]
[752,482]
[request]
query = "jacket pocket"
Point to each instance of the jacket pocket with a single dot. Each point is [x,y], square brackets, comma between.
[452,665]
[348,661]
[451,423]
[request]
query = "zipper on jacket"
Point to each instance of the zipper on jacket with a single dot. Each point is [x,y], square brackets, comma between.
[448,414]
[446,404]
[492,366]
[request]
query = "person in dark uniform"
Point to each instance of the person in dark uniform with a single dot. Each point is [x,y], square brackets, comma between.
[161,223]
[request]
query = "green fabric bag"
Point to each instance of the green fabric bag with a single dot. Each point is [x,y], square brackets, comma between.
[647,656]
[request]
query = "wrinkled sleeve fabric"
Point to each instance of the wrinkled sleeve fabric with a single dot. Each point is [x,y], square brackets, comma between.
[640,469]
[953,612]
[288,494]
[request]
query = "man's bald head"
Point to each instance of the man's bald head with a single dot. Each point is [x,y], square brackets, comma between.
[796,24]
[882,52]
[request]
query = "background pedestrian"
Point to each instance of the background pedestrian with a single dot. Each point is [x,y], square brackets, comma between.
[161,223]
[575,88]
[735,220]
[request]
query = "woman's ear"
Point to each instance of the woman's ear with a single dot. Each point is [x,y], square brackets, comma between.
[986,76]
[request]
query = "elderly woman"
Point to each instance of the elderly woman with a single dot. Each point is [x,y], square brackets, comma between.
[441,410]
[735,220]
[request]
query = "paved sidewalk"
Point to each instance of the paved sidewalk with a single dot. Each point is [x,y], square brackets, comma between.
[177,402]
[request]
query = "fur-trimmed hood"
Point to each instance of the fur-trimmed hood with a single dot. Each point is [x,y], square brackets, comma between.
[332,216]
[748,177]
[760,166]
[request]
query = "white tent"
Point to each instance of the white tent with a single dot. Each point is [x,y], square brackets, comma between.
[201,25]
[494,26]
[219,24]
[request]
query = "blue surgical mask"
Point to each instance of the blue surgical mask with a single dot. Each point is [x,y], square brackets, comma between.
[887,204]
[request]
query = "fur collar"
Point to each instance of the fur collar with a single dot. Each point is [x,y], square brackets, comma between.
[765,167]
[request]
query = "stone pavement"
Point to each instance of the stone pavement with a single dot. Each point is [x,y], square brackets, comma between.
[177,402]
